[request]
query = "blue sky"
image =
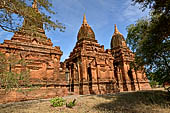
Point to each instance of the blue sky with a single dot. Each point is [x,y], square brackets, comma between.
[101,16]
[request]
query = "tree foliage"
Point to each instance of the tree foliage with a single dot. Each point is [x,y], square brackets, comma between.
[9,77]
[13,13]
[150,39]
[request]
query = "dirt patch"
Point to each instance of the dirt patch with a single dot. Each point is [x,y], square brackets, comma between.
[128,102]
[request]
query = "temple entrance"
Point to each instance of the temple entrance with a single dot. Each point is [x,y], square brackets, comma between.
[72,79]
[81,88]
[116,73]
[90,80]
[132,80]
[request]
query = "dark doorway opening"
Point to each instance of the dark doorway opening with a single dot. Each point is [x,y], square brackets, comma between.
[116,73]
[131,78]
[72,79]
[90,80]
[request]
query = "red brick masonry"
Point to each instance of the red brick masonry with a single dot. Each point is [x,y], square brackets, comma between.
[90,69]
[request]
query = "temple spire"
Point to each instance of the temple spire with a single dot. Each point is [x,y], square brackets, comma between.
[84,20]
[85,31]
[34,5]
[116,30]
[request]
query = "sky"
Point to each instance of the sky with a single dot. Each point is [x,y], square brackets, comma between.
[101,15]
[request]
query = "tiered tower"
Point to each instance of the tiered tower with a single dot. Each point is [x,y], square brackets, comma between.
[43,59]
[90,66]
[127,78]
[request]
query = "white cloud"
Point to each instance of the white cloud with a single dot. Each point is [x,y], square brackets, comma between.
[132,13]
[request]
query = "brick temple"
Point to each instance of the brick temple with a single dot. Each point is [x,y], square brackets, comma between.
[90,69]
[43,59]
[96,71]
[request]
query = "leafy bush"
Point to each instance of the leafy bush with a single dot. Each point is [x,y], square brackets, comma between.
[153,83]
[9,76]
[57,102]
[71,104]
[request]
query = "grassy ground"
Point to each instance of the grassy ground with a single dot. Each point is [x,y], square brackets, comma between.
[127,102]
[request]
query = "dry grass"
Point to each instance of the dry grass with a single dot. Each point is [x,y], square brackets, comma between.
[129,102]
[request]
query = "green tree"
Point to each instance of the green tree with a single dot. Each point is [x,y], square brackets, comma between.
[150,39]
[14,12]
[160,16]
[9,77]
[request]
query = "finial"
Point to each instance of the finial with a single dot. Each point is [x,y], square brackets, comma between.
[84,20]
[34,5]
[116,30]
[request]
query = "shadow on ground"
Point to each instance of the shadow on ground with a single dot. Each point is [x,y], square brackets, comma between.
[136,102]
[20,107]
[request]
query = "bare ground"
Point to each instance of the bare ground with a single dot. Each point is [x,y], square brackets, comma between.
[155,101]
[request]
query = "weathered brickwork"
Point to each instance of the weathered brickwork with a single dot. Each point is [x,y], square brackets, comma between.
[90,65]
[98,71]
[90,69]
[127,78]
[43,60]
